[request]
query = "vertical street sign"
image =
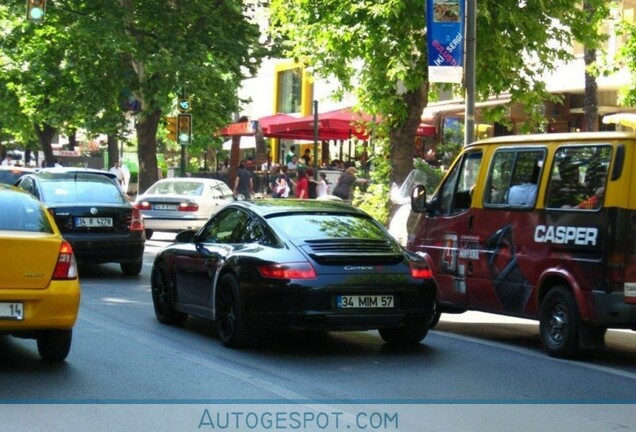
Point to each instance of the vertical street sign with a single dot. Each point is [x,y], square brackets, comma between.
[445,38]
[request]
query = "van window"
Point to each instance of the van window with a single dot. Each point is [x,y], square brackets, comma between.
[514,176]
[578,177]
[456,192]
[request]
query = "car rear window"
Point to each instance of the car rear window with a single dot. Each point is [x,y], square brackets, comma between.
[22,213]
[83,188]
[327,226]
[177,188]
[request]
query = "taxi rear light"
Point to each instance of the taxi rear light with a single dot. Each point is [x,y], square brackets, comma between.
[295,270]
[136,222]
[188,207]
[66,267]
[420,270]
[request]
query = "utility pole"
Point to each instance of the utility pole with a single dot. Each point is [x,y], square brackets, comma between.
[469,74]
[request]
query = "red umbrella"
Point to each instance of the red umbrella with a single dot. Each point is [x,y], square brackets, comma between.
[247,128]
[338,124]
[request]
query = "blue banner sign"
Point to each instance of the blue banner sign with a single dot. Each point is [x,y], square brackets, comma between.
[445,33]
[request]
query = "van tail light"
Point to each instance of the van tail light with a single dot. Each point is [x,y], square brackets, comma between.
[66,267]
[188,207]
[295,270]
[616,267]
[420,270]
[136,222]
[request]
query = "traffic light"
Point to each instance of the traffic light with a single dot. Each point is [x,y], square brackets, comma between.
[171,125]
[36,10]
[184,122]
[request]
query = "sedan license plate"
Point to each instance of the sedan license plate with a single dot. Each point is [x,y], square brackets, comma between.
[93,222]
[12,311]
[368,301]
[165,207]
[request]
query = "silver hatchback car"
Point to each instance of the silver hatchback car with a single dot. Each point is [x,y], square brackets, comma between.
[177,204]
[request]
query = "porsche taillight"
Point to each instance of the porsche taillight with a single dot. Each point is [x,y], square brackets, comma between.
[420,270]
[136,222]
[66,267]
[294,270]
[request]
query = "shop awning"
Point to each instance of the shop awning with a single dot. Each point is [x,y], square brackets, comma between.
[248,128]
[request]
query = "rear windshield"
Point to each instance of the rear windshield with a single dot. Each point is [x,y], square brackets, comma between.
[83,188]
[22,213]
[218,190]
[327,226]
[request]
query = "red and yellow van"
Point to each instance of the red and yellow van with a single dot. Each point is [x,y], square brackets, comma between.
[540,227]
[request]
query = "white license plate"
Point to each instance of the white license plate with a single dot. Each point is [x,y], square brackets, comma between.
[93,222]
[165,207]
[630,289]
[369,301]
[13,311]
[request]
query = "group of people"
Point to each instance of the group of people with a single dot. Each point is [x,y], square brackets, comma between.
[305,186]
[300,183]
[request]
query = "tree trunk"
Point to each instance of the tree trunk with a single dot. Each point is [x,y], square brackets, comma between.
[72,139]
[234,159]
[402,140]
[590,103]
[113,150]
[45,135]
[147,150]
[261,153]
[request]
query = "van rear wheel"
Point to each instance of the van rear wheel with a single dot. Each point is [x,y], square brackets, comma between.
[559,323]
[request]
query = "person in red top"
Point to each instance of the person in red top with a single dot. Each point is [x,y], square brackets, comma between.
[302,185]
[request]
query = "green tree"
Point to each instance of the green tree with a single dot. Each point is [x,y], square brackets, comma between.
[377,50]
[95,64]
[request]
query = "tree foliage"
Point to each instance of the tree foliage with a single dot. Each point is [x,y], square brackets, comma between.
[375,48]
[95,64]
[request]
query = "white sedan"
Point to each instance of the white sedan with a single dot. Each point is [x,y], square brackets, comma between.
[177,204]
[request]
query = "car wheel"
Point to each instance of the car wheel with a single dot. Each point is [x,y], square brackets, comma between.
[162,297]
[132,268]
[436,316]
[149,233]
[408,334]
[54,345]
[232,328]
[559,323]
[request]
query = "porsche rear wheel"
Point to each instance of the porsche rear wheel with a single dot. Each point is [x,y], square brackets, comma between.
[162,297]
[232,329]
[409,334]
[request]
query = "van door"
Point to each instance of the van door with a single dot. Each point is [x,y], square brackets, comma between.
[446,224]
[502,278]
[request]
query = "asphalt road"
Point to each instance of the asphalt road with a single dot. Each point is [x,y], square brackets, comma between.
[487,368]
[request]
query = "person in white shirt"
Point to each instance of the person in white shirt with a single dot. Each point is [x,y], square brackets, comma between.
[523,194]
[322,189]
[126,173]
[116,169]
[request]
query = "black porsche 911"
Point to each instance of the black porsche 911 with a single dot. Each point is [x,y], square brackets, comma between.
[294,264]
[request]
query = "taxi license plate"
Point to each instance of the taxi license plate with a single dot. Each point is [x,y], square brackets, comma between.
[12,311]
[369,301]
[630,289]
[93,222]
[165,207]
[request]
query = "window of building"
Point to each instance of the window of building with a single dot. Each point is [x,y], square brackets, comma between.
[290,91]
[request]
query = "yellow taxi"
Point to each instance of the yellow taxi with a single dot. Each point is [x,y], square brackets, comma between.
[39,285]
